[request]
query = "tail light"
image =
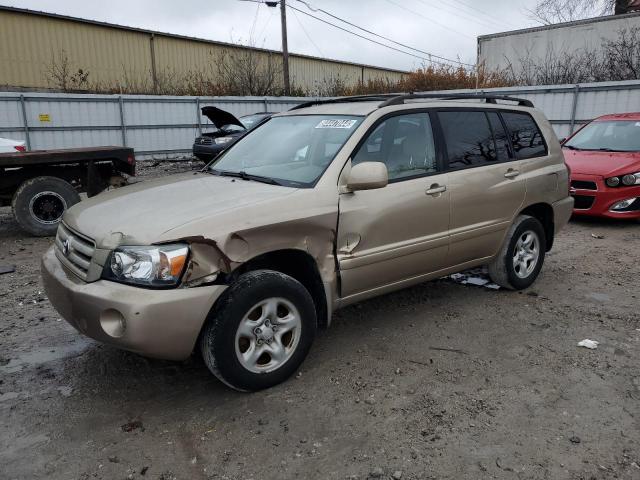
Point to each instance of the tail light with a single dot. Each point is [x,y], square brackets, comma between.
[20,148]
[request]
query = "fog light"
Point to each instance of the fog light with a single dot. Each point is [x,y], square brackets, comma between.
[623,204]
[113,323]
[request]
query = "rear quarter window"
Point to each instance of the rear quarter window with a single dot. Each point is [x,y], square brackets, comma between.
[526,137]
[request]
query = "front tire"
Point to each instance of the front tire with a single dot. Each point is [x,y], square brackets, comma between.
[520,259]
[259,331]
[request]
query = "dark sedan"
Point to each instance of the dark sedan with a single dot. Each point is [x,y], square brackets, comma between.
[228,130]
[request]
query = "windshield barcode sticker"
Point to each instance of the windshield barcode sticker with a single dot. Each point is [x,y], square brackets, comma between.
[336,123]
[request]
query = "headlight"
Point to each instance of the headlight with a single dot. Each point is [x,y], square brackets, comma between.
[223,140]
[613,182]
[626,180]
[159,266]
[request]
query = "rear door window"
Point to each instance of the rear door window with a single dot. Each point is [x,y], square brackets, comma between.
[468,138]
[525,135]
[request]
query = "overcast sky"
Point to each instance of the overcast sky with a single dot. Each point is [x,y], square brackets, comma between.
[442,27]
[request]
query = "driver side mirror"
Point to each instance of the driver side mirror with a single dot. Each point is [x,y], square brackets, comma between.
[367,176]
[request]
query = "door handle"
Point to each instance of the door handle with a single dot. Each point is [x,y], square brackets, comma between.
[511,173]
[435,190]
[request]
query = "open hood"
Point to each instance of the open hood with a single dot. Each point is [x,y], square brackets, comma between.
[220,118]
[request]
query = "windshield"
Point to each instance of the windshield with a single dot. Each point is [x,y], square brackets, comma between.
[250,121]
[616,135]
[293,150]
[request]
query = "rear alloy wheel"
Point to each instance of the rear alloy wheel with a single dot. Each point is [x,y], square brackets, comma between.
[526,254]
[260,331]
[520,259]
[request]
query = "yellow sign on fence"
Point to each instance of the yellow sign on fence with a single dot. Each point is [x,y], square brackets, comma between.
[44,117]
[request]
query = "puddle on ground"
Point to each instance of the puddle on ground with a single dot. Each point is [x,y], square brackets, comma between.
[45,355]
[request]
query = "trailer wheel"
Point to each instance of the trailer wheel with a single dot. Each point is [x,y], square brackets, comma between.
[40,202]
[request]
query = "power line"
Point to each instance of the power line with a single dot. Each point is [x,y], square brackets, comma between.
[470,16]
[431,56]
[382,36]
[446,27]
[307,34]
[485,14]
[255,21]
[366,38]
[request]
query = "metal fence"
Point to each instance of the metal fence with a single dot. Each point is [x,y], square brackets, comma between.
[569,106]
[155,126]
[163,126]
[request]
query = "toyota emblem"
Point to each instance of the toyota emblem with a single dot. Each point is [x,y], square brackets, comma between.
[66,247]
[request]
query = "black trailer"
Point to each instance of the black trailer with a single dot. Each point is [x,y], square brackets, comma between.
[40,185]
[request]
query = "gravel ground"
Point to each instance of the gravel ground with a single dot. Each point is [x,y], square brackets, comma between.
[439,381]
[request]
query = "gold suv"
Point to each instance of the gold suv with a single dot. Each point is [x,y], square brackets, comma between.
[322,206]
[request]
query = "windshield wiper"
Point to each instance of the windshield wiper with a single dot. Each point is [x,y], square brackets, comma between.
[571,147]
[245,176]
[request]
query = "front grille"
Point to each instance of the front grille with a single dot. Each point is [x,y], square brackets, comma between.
[75,251]
[583,185]
[204,141]
[583,202]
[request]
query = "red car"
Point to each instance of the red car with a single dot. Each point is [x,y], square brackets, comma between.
[604,158]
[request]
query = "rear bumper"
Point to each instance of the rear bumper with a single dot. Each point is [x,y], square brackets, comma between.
[598,202]
[155,323]
[562,210]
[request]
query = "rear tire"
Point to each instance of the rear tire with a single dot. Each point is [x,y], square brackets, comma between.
[259,331]
[40,202]
[520,259]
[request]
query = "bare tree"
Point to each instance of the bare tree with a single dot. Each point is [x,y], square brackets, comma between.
[548,12]
[62,76]
[622,56]
[247,71]
[616,59]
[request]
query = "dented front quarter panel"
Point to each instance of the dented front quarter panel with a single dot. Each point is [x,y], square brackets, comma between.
[305,221]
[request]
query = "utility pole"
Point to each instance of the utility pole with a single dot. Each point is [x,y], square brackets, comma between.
[285,47]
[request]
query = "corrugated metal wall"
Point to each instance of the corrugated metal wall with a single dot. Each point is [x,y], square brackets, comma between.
[164,126]
[533,45]
[31,43]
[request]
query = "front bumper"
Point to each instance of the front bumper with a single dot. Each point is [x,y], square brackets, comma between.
[209,152]
[155,323]
[598,202]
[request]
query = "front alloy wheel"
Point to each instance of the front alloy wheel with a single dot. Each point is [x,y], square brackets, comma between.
[268,335]
[259,331]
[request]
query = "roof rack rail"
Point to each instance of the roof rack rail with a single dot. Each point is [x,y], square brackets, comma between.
[355,98]
[489,98]
[399,98]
